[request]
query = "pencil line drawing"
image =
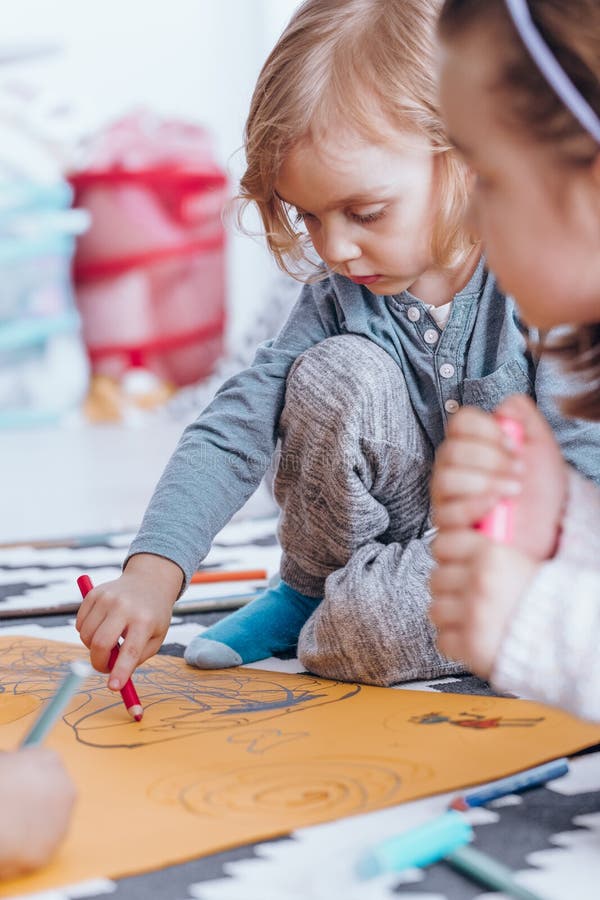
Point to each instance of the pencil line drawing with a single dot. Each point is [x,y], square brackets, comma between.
[323,786]
[178,701]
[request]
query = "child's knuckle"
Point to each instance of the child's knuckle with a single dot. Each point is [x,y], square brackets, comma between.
[143,620]
[130,651]
[102,644]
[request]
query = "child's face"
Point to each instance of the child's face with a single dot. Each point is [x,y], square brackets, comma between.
[539,221]
[369,209]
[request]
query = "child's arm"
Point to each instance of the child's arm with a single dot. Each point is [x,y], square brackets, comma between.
[528,625]
[476,466]
[550,646]
[533,630]
[476,588]
[217,465]
[37,799]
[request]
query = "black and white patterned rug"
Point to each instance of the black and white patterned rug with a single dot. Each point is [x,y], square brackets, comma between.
[550,836]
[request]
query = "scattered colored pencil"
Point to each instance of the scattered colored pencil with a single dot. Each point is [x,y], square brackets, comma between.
[514,784]
[213,604]
[181,607]
[128,692]
[417,847]
[78,670]
[443,839]
[219,576]
[487,871]
[72,542]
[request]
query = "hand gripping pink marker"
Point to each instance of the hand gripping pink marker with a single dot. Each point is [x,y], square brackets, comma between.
[499,523]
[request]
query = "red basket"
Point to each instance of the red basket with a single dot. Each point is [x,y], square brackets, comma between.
[150,272]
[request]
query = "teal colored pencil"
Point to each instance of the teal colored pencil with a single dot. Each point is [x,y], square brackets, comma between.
[78,671]
[481,867]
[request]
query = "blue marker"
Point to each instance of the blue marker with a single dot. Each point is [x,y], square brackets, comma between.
[522,781]
[77,672]
[445,839]
[418,847]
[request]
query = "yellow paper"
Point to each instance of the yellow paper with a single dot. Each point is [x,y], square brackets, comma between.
[234,756]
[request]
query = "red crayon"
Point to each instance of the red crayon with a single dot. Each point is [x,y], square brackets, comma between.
[128,692]
[499,524]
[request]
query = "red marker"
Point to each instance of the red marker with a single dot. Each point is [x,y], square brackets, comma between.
[128,692]
[499,523]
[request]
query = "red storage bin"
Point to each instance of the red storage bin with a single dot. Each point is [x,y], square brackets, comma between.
[150,272]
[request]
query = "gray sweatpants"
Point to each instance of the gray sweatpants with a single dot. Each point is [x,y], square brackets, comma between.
[353,486]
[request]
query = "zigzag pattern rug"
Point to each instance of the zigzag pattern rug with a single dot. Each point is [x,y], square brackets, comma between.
[550,835]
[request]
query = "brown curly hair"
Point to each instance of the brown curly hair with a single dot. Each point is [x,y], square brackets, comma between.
[572,31]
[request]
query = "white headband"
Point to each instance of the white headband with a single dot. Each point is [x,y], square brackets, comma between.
[551,69]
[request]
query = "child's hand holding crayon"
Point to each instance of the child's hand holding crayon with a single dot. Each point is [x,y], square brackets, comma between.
[37,799]
[478,583]
[477,466]
[136,606]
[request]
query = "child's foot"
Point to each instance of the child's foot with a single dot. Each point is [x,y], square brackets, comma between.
[270,624]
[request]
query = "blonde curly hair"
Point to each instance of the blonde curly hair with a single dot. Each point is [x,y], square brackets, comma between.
[363,61]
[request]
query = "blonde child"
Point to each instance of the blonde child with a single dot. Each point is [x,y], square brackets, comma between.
[520,89]
[399,323]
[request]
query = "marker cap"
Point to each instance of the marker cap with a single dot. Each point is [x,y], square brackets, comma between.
[418,847]
[499,523]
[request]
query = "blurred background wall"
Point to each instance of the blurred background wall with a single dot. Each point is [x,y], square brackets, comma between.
[193,59]
[68,69]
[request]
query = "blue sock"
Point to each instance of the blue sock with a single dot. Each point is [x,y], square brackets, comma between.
[269,624]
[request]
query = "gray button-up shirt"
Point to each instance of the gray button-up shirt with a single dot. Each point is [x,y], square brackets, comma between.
[480,358]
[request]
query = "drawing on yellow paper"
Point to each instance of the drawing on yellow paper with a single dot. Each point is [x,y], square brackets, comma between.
[229,757]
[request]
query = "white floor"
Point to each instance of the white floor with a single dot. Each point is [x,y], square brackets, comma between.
[66,481]
[57,482]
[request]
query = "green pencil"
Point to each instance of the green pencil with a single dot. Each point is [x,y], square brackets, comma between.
[481,867]
[78,670]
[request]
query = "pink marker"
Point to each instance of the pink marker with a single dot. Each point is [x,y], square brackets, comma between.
[499,523]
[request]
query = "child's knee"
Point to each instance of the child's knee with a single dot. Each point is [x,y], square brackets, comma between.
[347,419]
[346,373]
[347,389]
[351,447]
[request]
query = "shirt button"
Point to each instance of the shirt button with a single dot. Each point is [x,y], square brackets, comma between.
[431,336]
[451,406]
[447,370]
[414,314]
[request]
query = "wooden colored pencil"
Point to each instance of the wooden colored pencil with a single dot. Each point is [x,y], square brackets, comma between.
[73,542]
[214,577]
[181,607]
